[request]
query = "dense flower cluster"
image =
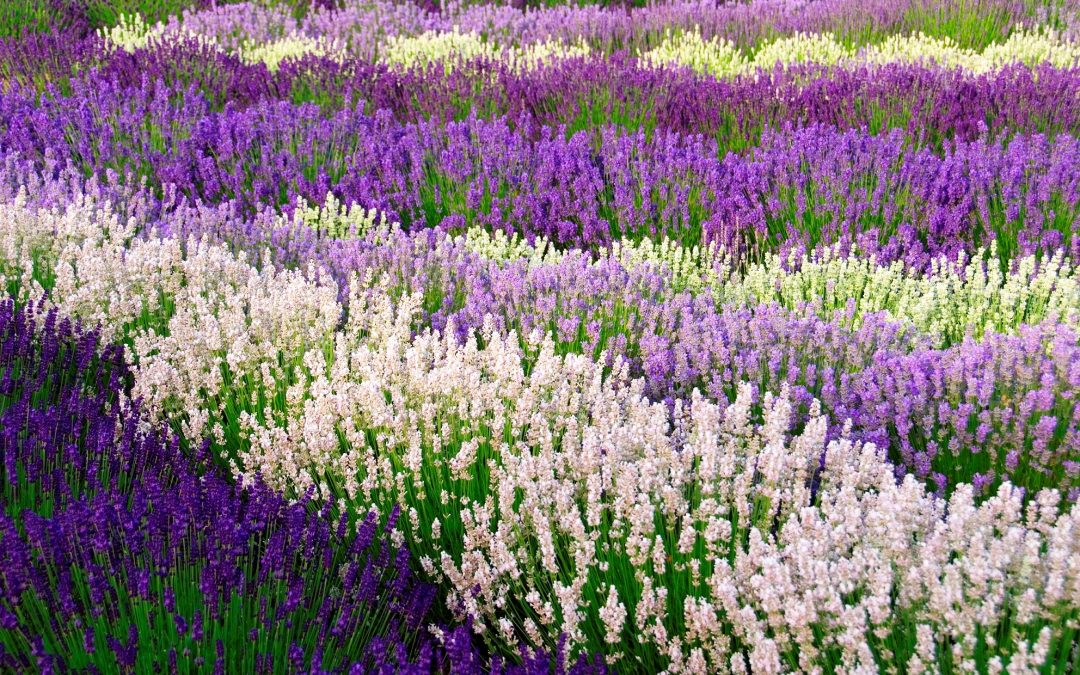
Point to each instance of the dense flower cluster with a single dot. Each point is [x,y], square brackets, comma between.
[372,336]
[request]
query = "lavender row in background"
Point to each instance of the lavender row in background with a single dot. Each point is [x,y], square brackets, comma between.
[799,188]
[929,104]
[364,25]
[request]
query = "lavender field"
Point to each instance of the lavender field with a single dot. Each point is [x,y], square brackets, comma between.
[398,336]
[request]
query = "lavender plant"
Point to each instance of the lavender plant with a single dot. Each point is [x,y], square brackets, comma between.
[26,17]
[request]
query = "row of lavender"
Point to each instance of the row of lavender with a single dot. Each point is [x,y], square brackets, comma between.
[365,26]
[776,372]
[932,105]
[799,187]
